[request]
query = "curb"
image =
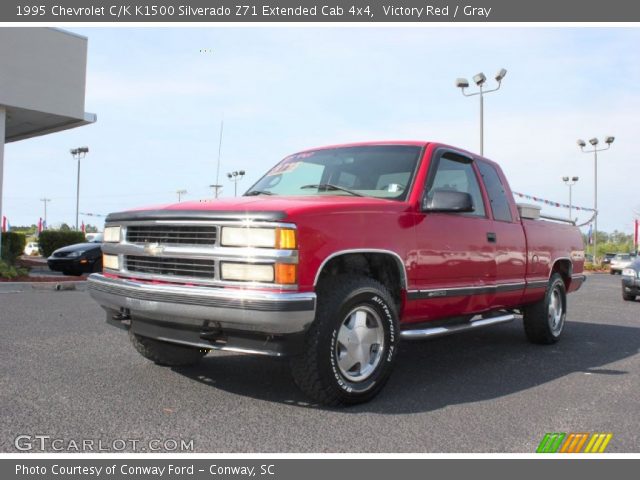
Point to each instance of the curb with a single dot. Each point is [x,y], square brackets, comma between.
[22,287]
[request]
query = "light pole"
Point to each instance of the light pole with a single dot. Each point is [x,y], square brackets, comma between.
[78,154]
[45,201]
[594,143]
[180,194]
[480,80]
[570,182]
[235,177]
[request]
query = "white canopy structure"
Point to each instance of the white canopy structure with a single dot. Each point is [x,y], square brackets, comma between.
[42,84]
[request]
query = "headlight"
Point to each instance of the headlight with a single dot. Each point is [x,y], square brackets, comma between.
[629,272]
[282,238]
[110,261]
[111,234]
[75,254]
[247,272]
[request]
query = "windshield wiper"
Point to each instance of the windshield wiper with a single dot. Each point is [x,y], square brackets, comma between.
[331,186]
[252,193]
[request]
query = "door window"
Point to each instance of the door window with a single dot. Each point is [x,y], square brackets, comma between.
[456,173]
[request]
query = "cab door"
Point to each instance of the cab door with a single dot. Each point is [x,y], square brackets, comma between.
[510,241]
[455,266]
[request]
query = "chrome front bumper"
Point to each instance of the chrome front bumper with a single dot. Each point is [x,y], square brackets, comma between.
[194,307]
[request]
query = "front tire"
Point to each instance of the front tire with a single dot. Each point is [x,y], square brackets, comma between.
[352,345]
[627,297]
[544,320]
[164,353]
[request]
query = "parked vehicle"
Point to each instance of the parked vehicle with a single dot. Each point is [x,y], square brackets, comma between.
[607,258]
[92,236]
[333,258]
[619,262]
[32,248]
[631,281]
[78,259]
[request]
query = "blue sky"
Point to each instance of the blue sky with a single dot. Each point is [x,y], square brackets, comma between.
[160,94]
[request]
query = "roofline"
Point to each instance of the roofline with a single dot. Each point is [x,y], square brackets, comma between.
[414,143]
[88,119]
[67,32]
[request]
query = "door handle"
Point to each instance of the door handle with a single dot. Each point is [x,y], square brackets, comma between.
[491,237]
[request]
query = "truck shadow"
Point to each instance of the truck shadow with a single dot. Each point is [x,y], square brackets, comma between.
[465,368]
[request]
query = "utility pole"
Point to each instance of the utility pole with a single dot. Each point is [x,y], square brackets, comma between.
[216,190]
[45,201]
[217,184]
[180,194]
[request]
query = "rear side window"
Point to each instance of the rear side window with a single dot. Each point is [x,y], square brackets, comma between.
[495,189]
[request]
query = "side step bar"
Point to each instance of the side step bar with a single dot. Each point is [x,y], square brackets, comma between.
[448,330]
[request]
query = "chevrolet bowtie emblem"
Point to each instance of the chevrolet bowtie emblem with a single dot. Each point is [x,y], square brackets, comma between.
[153,249]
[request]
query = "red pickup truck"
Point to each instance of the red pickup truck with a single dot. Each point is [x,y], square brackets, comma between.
[335,256]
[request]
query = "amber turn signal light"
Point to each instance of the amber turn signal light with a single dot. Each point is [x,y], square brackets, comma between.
[286,239]
[286,273]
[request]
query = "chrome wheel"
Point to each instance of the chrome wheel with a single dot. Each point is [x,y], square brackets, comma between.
[359,344]
[556,312]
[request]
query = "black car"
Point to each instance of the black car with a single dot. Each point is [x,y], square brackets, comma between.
[631,281]
[78,259]
[607,258]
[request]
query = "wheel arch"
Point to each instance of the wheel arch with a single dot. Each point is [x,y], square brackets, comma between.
[385,266]
[564,267]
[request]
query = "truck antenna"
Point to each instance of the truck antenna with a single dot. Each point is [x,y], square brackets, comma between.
[217,185]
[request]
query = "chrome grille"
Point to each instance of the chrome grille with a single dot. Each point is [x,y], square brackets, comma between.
[179,267]
[173,234]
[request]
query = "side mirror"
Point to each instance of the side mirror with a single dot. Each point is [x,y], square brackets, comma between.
[448,201]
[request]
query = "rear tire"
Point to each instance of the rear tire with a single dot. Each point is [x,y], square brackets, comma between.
[627,297]
[351,346]
[164,353]
[544,320]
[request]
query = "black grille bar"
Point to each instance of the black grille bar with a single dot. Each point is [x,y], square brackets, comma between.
[172,234]
[180,267]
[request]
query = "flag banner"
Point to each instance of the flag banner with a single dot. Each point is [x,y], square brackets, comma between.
[552,203]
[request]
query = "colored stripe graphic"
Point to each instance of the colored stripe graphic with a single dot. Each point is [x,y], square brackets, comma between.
[550,443]
[574,442]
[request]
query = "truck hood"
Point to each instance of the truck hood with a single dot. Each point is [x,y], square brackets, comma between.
[263,207]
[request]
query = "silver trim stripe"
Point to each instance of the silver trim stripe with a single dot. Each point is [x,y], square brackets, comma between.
[477,290]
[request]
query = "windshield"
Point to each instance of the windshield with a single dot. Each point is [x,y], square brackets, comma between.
[381,171]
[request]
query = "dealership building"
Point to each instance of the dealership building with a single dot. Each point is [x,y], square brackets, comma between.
[42,84]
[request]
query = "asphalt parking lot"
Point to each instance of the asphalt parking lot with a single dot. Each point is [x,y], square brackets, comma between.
[66,374]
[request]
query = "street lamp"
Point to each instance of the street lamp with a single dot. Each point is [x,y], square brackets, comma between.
[480,79]
[235,177]
[570,182]
[78,153]
[180,194]
[594,143]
